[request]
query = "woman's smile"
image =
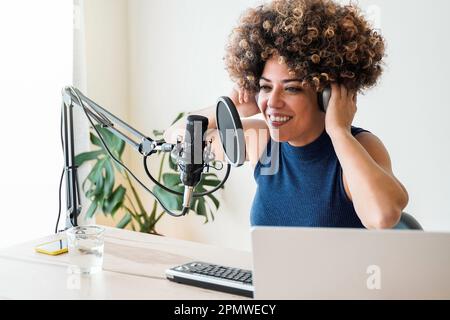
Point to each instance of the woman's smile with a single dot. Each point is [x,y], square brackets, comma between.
[278,120]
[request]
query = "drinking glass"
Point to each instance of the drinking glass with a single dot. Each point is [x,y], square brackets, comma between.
[86,245]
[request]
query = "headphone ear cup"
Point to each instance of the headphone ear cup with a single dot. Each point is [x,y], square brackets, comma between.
[320,101]
[324,98]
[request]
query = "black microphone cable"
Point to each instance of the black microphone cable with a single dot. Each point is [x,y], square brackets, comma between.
[62,173]
[201,194]
[59,201]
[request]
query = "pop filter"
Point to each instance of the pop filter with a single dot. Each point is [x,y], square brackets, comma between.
[230,131]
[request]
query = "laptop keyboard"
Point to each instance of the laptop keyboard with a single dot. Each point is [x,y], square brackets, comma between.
[213,276]
[218,271]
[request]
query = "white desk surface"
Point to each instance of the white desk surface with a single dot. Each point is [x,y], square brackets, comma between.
[133,268]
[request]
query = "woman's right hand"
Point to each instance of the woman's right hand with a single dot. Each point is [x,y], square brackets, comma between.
[245,102]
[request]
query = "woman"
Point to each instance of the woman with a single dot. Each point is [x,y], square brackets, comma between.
[321,171]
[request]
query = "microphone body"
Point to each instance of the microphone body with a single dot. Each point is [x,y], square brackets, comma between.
[191,160]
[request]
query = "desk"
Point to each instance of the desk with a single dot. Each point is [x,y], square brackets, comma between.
[133,268]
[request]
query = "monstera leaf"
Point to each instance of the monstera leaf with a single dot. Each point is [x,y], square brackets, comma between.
[199,205]
[99,183]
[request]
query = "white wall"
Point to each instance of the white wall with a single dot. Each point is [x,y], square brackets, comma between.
[175,50]
[107,54]
[35,64]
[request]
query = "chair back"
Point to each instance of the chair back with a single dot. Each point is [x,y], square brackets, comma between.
[408,222]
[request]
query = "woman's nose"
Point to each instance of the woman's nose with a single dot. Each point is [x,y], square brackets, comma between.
[275,100]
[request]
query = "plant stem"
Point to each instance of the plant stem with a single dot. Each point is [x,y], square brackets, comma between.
[135,217]
[157,219]
[131,202]
[153,214]
[149,222]
[160,216]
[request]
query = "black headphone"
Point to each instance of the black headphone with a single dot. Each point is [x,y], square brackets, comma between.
[323,98]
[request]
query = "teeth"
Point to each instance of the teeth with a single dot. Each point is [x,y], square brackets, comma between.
[279,119]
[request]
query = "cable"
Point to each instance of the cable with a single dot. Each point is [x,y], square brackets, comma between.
[201,194]
[62,174]
[59,210]
[73,90]
[77,190]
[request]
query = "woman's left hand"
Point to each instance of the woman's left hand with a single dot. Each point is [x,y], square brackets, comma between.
[341,110]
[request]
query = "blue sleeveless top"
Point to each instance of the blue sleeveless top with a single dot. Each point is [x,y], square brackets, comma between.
[302,187]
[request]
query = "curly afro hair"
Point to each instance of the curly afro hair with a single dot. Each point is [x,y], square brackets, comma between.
[319,40]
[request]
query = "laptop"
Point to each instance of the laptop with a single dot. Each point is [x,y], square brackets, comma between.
[311,263]
[322,263]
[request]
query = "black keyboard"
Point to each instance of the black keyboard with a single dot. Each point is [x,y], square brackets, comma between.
[214,277]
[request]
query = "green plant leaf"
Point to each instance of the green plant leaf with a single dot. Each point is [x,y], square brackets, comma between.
[214,183]
[211,214]
[100,203]
[199,188]
[91,211]
[209,210]
[171,201]
[87,156]
[90,194]
[99,184]
[171,179]
[214,200]
[115,201]
[96,170]
[210,175]
[107,136]
[211,179]
[120,148]
[115,144]
[102,180]
[179,116]
[201,209]
[124,221]
[95,140]
[172,164]
[109,179]
[95,180]
[118,167]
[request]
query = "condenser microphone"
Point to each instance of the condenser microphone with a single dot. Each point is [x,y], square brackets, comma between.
[191,161]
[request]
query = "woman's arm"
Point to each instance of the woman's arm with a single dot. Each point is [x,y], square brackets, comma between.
[178,128]
[246,107]
[378,197]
